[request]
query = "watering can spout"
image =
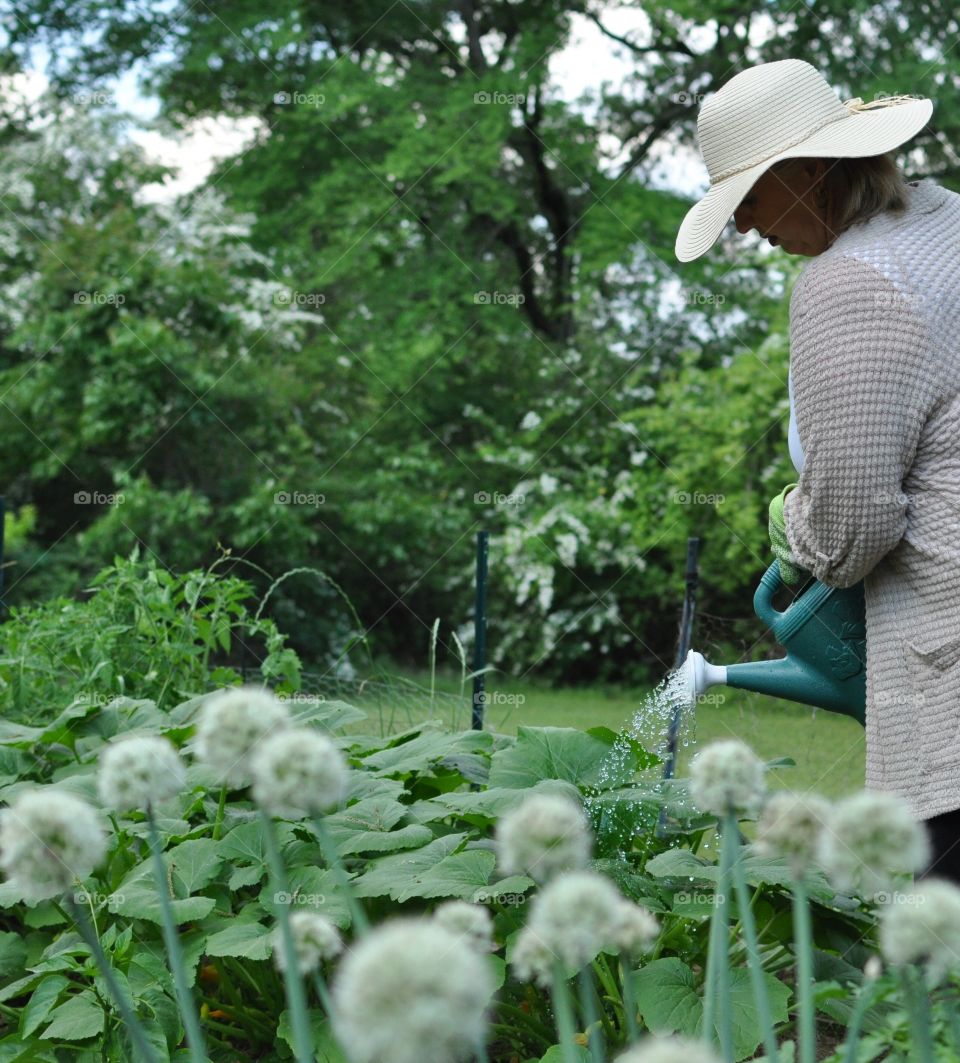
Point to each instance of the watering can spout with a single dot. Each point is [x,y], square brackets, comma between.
[823,632]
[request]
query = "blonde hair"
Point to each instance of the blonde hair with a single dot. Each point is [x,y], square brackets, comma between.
[859,188]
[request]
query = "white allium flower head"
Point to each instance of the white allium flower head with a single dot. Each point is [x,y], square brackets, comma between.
[573,918]
[411,992]
[790,827]
[727,773]
[471,920]
[636,929]
[543,836]
[48,840]
[298,771]
[232,724]
[669,1050]
[315,939]
[139,771]
[922,926]
[868,838]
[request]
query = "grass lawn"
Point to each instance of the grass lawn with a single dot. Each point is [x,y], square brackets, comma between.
[829,749]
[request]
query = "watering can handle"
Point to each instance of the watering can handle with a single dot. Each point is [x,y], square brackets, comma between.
[770,583]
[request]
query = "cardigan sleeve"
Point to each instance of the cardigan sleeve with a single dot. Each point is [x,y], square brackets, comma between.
[864,386]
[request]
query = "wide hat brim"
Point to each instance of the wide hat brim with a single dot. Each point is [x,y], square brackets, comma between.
[859,134]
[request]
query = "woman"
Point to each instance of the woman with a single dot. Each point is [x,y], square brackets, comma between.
[875,393]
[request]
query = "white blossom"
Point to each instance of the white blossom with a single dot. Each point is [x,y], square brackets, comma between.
[232,724]
[543,836]
[790,827]
[727,774]
[139,771]
[923,926]
[48,840]
[868,838]
[315,939]
[298,771]
[471,921]
[636,929]
[411,992]
[669,1050]
[574,917]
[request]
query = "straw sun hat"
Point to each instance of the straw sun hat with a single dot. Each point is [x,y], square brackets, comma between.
[783,110]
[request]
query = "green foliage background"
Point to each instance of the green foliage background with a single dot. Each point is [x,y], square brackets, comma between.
[431,278]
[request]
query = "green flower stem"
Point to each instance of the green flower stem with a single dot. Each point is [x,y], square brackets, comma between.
[803,943]
[293,982]
[918,1007]
[137,1033]
[629,1004]
[221,806]
[856,1021]
[188,1007]
[323,994]
[563,1010]
[332,856]
[717,983]
[589,1009]
[754,962]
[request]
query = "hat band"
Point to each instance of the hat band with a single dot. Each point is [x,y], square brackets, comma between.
[853,106]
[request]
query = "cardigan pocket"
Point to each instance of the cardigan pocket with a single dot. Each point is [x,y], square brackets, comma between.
[934,694]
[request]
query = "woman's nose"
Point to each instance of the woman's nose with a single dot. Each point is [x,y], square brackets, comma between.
[742,219]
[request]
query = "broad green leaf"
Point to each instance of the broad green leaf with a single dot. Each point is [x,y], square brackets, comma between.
[561,753]
[555,1054]
[668,1000]
[308,889]
[13,953]
[244,843]
[195,862]
[681,863]
[245,876]
[79,1017]
[250,940]
[422,752]
[391,875]
[457,875]
[136,896]
[492,804]
[42,1002]
[330,715]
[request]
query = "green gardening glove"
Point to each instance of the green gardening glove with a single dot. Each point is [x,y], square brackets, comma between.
[790,571]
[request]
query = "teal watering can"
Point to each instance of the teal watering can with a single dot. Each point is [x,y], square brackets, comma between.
[824,633]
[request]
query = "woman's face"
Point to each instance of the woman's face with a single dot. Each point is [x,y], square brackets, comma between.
[789,209]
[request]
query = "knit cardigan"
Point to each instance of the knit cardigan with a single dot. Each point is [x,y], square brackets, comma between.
[875,368]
